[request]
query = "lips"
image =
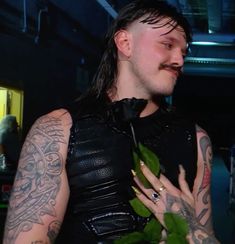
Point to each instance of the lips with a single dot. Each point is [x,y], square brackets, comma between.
[173,71]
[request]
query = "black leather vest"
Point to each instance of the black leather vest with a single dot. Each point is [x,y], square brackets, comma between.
[99,167]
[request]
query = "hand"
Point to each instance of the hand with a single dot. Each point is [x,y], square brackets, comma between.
[165,197]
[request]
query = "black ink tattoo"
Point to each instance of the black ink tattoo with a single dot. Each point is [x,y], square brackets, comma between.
[204,189]
[188,213]
[53,230]
[205,144]
[38,178]
[202,213]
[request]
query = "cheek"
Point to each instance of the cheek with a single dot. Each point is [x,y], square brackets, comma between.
[142,48]
[155,56]
[146,57]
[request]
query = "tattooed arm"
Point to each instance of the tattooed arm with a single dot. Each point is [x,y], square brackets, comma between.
[40,191]
[201,190]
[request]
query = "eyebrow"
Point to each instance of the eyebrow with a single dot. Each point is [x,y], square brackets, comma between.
[172,39]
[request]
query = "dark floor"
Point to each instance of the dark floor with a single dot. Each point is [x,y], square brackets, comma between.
[223,215]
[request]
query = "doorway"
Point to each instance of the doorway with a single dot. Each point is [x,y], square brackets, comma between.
[11,102]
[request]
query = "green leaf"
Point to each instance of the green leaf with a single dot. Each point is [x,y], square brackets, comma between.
[174,238]
[153,230]
[150,159]
[134,237]
[176,224]
[139,207]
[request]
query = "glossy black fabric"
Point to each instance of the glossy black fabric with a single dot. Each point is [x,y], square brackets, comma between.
[99,169]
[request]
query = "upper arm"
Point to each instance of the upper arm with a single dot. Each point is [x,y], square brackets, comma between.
[202,182]
[40,191]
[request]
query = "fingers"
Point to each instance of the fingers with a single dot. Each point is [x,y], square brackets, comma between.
[153,180]
[162,185]
[159,184]
[150,193]
[164,196]
[183,183]
[156,207]
[167,183]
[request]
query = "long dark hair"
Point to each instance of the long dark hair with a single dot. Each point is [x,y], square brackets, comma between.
[153,11]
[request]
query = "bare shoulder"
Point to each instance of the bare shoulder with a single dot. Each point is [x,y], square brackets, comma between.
[200,131]
[61,115]
[55,124]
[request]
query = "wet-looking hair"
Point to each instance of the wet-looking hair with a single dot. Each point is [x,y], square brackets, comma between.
[150,12]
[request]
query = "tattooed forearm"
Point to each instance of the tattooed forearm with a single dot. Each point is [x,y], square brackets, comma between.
[203,187]
[205,145]
[207,223]
[38,178]
[205,178]
[206,151]
[205,197]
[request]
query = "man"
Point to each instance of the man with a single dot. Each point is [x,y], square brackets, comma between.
[75,166]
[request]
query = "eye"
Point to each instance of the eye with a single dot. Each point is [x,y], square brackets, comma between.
[168,45]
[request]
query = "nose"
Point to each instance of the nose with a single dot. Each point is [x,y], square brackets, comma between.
[178,57]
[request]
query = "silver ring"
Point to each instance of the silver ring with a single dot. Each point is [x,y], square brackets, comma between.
[155,197]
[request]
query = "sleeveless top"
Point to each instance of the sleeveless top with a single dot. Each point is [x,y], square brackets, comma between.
[99,167]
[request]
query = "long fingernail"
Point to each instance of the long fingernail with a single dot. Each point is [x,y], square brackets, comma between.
[141,163]
[181,168]
[133,172]
[135,190]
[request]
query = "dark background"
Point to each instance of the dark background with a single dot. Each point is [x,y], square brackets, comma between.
[50,49]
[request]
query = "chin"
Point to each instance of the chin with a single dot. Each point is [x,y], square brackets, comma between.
[166,92]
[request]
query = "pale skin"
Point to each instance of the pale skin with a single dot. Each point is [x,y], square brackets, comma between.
[40,192]
[142,50]
[149,61]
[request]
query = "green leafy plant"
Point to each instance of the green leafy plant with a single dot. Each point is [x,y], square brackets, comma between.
[176,227]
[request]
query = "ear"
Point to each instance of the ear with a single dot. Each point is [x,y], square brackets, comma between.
[123,42]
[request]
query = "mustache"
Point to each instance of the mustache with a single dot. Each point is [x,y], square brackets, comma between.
[178,69]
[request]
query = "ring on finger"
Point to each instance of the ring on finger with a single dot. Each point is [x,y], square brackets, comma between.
[155,197]
[161,189]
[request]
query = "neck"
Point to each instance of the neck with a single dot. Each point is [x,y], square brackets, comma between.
[127,87]
[151,107]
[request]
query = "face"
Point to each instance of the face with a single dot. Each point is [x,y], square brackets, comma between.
[156,58]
